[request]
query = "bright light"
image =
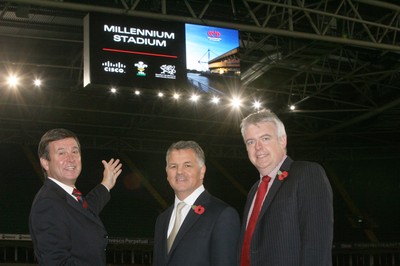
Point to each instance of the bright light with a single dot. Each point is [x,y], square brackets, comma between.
[194,98]
[37,82]
[137,92]
[292,107]
[236,102]
[257,105]
[160,94]
[12,81]
[215,99]
[113,90]
[176,96]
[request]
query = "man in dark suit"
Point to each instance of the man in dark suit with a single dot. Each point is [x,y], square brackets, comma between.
[65,227]
[295,223]
[209,228]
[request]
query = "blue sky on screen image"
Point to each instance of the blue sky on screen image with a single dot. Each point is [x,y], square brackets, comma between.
[204,43]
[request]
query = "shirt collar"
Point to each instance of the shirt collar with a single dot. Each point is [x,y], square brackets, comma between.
[274,172]
[190,200]
[67,188]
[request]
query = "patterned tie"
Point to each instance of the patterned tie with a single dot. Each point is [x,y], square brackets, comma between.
[262,190]
[177,224]
[80,198]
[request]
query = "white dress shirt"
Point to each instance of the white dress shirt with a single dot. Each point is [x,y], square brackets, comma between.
[190,200]
[67,189]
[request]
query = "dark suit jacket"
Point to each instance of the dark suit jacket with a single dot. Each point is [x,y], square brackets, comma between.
[295,226]
[203,239]
[63,233]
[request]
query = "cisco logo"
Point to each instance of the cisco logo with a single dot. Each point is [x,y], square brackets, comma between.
[113,68]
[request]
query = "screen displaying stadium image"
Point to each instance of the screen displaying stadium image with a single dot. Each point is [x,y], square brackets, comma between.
[134,52]
[212,57]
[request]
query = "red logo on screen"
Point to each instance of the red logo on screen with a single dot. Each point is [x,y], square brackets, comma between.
[214,34]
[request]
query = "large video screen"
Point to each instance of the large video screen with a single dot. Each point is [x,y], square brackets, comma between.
[212,58]
[134,52]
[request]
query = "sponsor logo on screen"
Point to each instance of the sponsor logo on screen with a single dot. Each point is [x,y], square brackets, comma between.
[141,67]
[214,35]
[167,72]
[114,67]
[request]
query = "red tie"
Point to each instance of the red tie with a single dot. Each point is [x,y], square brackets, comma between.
[262,190]
[80,198]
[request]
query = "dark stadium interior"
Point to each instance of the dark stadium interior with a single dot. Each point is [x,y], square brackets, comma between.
[342,77]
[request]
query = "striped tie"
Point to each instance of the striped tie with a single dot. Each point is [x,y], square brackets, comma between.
[80,198]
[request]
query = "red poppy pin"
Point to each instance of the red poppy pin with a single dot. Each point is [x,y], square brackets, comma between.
[198,209]
[282,175]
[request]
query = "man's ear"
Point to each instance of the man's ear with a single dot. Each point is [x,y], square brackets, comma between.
[44,163]
[283,142]
[203,172]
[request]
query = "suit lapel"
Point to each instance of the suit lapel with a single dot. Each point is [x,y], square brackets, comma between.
[73,203]
[268,200]
[252,194]
[275,187]
[164,232]
[190,219]
[86,212]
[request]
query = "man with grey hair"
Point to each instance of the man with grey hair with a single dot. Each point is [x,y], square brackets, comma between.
[288,216]
[198,229]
